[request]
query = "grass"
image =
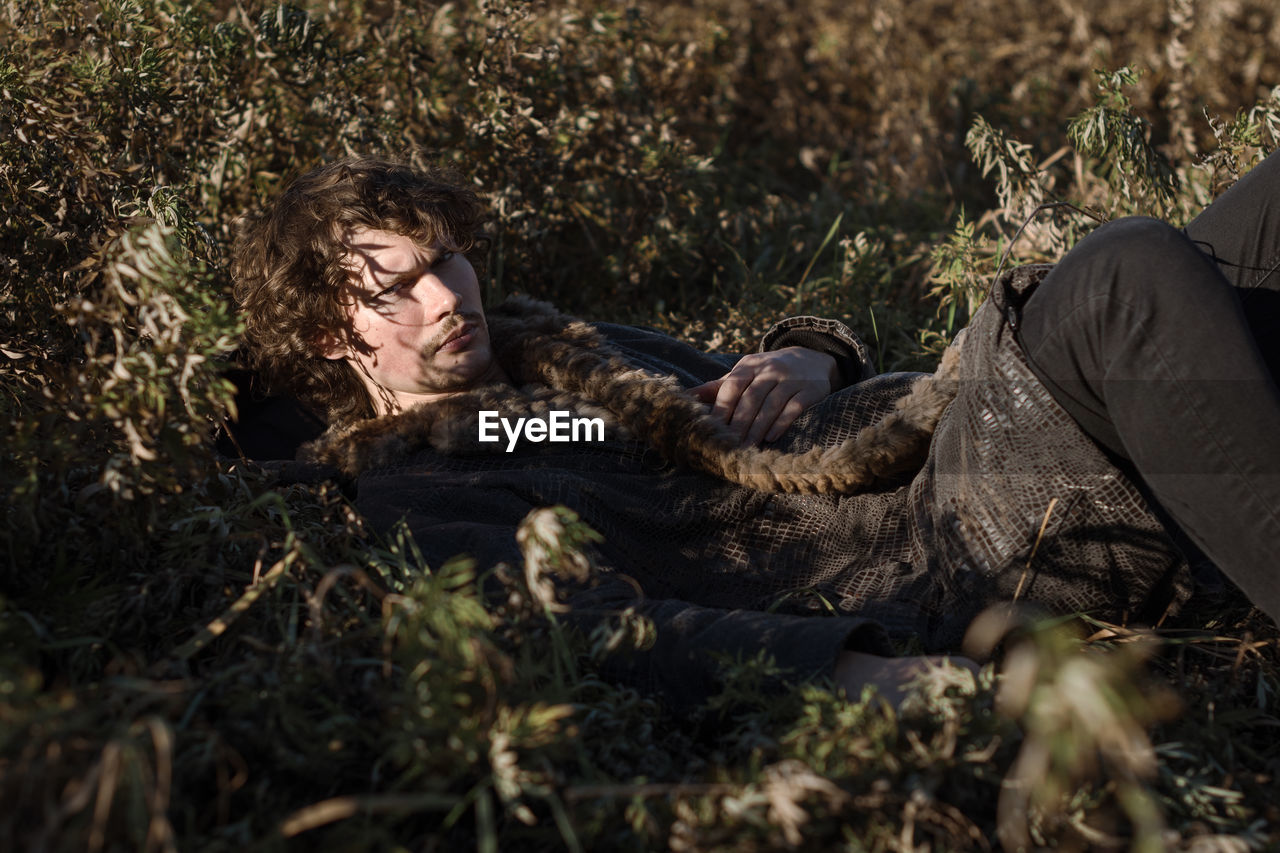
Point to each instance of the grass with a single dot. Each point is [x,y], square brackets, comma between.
[194,657]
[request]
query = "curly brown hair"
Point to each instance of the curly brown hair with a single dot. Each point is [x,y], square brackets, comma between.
[289,273]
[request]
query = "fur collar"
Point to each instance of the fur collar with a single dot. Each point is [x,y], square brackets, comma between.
[561,363]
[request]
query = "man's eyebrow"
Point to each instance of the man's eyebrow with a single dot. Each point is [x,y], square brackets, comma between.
[383,276]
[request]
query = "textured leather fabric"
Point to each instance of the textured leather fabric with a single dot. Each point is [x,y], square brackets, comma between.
[1017,502]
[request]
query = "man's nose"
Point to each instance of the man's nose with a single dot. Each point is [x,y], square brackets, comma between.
[439,299]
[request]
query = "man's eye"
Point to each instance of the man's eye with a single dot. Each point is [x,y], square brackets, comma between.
[390,291]
[444,257]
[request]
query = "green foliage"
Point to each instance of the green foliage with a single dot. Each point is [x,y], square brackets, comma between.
[155,379]
[962,270]
[1110,132]
[194,656]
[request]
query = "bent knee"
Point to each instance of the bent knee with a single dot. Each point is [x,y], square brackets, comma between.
[1138,239]
[1139,257]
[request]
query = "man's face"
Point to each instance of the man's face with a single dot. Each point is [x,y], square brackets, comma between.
[417,311]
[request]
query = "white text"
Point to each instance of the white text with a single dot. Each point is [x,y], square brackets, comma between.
[557,426]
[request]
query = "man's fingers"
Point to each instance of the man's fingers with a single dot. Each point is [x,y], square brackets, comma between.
[706,392]
[776,406]
[786,402]
[786,418]
[728,397]
[752,405]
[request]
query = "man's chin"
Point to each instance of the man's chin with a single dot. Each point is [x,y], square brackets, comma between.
[462,372]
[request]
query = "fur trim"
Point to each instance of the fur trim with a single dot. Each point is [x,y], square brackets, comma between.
[561,363]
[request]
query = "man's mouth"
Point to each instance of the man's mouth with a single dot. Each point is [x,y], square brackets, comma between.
[458,338]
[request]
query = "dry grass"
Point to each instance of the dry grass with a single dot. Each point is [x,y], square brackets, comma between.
[193,657]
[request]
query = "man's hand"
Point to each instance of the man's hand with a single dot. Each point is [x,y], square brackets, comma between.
[766,391]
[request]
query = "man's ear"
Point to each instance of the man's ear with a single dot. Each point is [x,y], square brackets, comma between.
[331,346]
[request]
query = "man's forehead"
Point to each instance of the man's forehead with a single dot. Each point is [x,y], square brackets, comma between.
[380,252]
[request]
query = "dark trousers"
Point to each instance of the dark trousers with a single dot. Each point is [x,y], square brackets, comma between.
[1164,344]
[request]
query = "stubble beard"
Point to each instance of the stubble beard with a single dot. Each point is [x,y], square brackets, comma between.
[437,378]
